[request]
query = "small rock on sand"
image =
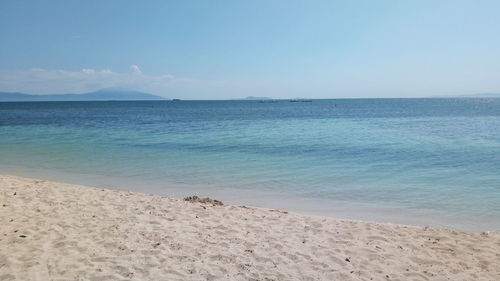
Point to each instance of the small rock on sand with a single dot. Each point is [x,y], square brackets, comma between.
[206,200]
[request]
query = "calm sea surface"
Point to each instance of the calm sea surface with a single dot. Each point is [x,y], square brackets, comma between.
[422,161]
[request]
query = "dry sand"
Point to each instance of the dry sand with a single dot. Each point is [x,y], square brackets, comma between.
[55,231]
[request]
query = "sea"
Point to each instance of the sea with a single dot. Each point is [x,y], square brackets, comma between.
[429,161]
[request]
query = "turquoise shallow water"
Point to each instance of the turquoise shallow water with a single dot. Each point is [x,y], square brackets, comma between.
[382,159]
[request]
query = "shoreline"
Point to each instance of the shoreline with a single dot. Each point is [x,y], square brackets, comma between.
[65,231]
[266,199]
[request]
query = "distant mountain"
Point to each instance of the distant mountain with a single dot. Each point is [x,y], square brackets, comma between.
[101,95]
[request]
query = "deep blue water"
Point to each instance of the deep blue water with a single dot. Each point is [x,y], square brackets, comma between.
[432,157]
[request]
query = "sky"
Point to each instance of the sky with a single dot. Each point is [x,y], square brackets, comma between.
[233,49]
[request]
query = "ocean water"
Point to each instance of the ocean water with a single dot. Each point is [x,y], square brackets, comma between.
[418,161]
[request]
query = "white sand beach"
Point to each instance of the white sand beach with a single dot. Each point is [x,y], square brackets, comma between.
[56,231]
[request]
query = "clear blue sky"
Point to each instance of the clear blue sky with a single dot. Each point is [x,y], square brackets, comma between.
[232,49]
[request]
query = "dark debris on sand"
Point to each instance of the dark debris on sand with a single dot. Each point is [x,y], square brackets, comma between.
[206,200]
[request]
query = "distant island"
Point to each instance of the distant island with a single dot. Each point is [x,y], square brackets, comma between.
[482,95]
[101,95]
[479,95]
[257,98]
